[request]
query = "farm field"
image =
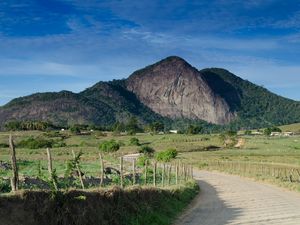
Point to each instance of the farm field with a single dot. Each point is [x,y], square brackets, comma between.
[193,149]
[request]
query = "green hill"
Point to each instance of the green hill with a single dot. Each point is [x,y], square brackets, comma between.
[241,103]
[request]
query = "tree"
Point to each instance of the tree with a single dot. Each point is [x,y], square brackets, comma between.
[134,141]
[157,127]
[167,155]
[269,130]
[132,126]
[194,129]
[109,146]
[147,150]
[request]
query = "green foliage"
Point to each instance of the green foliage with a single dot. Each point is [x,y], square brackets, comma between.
[194,129]
[75,129]
[4,145]
[134,141]
[229,138]
[35,143]
[5,186]
[167,155]
[71,164]
[269,130]
[141,161]
[256,107]
[156,126]
[147,150]
[132,127]
[248,132]
[109,146]
[28,125]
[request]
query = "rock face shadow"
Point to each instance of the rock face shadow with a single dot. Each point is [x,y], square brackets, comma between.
[208,209]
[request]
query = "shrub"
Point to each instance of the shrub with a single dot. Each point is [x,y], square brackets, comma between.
[147,150]
[109,146]
[134,141]
[35,143]
[141,161]
[4,186]
[269,130]
[248,132]
[3,145]
[167,155]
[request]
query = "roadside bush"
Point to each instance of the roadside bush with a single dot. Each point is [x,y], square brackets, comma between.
[167,155]
[109,146]
[134,141]
[4,186]
[147,150]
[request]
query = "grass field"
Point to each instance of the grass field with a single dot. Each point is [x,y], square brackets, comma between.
[193,149]
[291,127]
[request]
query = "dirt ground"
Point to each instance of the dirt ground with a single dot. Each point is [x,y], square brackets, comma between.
[229,199]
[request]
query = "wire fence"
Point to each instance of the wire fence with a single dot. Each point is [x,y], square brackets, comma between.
[128,170]
[284,173]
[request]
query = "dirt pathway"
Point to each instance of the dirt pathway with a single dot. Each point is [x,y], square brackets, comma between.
[228,199]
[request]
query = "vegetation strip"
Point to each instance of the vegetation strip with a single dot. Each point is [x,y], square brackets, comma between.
[132,206]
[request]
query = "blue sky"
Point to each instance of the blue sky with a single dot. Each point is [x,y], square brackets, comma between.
[53,45]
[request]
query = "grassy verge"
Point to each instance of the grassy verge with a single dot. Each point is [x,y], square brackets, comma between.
[133,206]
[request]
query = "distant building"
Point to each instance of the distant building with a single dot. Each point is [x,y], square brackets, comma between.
[173,131]
[256,133]
[287,134]
[275,134]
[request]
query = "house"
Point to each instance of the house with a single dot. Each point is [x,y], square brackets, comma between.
[173,131]
[287,134]
[275,134]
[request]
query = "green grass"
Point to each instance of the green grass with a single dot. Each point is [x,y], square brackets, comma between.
[193,149]
[132,206]
[291,127]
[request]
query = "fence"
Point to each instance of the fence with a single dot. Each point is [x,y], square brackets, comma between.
[124,172]
[285,173]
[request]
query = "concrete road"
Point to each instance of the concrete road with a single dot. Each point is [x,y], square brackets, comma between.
[229,199]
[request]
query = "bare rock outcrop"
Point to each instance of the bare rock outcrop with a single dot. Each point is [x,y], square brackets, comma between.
[175,89]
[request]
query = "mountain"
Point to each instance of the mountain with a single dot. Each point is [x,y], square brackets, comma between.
[169,90]
[175,89]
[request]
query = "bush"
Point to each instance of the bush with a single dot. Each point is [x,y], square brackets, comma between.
[109,146]
[134,141]
[147,150]
[35,143]
[141,161]
[248,132]
[167,155]
[3,145]
[4,186]
[269,130]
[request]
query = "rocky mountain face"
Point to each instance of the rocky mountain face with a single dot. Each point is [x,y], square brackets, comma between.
[175,89]
[168,90]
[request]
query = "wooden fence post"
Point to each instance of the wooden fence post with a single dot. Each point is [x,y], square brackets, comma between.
[163,175]
[102,169]
[121,172]
[146,171]
[78,170]
[154,174]
[176,174]
[15,179]
[133,172]
[169,174]
[50,169]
